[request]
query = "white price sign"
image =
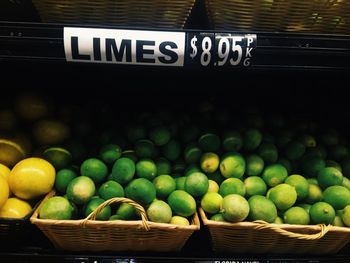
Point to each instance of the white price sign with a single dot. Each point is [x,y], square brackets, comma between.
[114,46]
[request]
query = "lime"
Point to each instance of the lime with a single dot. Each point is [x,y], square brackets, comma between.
[141,190]
[295,150]
[182,203]
[301,185]
[57,208]
[164,185]
[274,174]
[322,213]
[305,206]
[80,190]
[283,196]
[318,151]
[262,208]
[296,216]
[160,135]
[192,153]
[209,162]
[232,165]
[172,150]
[209,142]
[123,170]
[146,168]
[254,185]
[346,183]
[110,153]
[338,221]
[63,178]
[334,164]
[235,208]
[180,183]
[192,168]
[217,177]
[136,132]
[338,152]
[116,217]
[179,220]
[58,157]
[254,165]
[159,212]
[126,212]
[163,166]
[312,181]
[211,202]
[196,184]
[284,137]
[91,206]
[252,139]
[287,164]
[189,133]
[311,165]
[345,215]
[111,189]
[232,141]
[213,186]
[337,196]
[268,152]
[329,176]
[278,220]
[179,166]
[95,169]
[144,148]
[218,218]
[314,195]
[130,154]
[308,140]
[232,186]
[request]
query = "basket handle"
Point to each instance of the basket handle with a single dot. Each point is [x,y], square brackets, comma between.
[323,230]
[113,200]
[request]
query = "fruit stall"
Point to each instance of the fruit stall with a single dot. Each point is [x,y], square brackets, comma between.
[194,131]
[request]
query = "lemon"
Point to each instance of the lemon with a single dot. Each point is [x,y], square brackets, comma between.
[10,152]
[48,132]
[15,208]
[32,178]
[31,107]
[4,191]
[4,172]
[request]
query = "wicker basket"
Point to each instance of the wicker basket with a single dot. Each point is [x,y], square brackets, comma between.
[138,13]
[261,237]
[318,16]
[90,235]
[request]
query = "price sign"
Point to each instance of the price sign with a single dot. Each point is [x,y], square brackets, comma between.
[201,48]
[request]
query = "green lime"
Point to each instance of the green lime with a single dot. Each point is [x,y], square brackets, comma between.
[179,166]
[130,154]
[63,178]
[192,153]
[92,205]
[252,139]
[301,185]
[213,186]
[111,189]
[312,181]
[146,168]
[329,176]
[308,140]
[209,162]
[338,221]
[159,212]
[311,165]
[346,183]
[262,208]
[160,135]
[163,166]
[235,208]
[192,168]
[211,202]
[254,165]
[218,218]
[232,165]
[196,184]
[314,195]
[123,170]
[144,148]
[217,177]
[172,150]
[189,133]
[232,186]
[232,141]
[164,185]
[337,196]
[334,164]
[110,153]
[126,212]
[283,196]
[287,164]
[80,190]
[95,169]
[345,215]
[318,151]
[268,152]
[57,208]
[115,217]
[59,157]
[338,152]
[136,132]
[180,221]
[306,207]
[182,203]
[322,213]
[254,185]
[209,142]
[284,137]
[278,220]
[295,150]
[274,174]
[141,190]
[180,183]
[296,216]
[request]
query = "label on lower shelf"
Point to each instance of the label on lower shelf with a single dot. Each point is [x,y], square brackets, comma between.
[158,48]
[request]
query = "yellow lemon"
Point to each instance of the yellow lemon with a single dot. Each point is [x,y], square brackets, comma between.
[4,191]
[15,208]
[4,172]
[32,178]
[10,152]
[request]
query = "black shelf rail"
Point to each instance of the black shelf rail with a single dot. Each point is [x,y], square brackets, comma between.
[287,51]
